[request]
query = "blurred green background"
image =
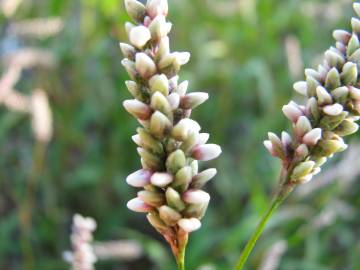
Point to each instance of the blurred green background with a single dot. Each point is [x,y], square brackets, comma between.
[241,50]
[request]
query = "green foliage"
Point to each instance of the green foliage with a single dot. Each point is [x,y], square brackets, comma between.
[238,55]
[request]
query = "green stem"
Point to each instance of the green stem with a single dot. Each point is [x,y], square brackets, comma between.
[180,259]
[279,197]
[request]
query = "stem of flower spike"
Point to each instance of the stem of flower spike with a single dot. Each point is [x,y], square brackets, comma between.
[178,246]
[180,259]
[283,192]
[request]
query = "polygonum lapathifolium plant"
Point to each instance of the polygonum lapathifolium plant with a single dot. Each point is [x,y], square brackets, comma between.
[332,107]
[330,112]
[169,142]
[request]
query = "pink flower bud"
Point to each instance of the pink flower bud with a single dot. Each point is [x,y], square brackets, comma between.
[269,146]
[292,111]
[137,109]
[139,178]
[312,137]
[138,205]
[206,152]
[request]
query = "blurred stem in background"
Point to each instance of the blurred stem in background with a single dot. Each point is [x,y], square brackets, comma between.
[282,193]
[27,204]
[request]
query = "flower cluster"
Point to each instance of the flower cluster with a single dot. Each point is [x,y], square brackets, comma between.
[332,108]
[82,257]
[169,142]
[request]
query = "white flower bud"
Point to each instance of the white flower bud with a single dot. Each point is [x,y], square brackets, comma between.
[342,36]
[189,224]
[157,7]
[164,48]
[196,197]
[356,7]
[130,67]
[323,96]
[312,137]
[136,139]
[159,27]
[333,110]
[355,24]
[206,152]
[203,138]
[302,126]
[140,178]
[286,140]
[139,36]
[192,100]
[354,93]
[138,205]
[182,88]
[145,65]
[301,88]
[269,146]
[181,130]
[174,100]
[182,58]
[161,179]
[127,50]
[128,27]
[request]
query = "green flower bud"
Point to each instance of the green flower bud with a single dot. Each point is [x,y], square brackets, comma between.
[149,142]
[326,148]
[202,178]
[169,215]
[353,45]
[347,127]
[332,79]
[157,223]
[159,83]
[151,161]
[173,199]
[331,122]
[175,161]
[341,94]
[135,9]
[159,124]
[152,198]
[302,170]
[182,179]
[192,100]
[161,104]
[349,73]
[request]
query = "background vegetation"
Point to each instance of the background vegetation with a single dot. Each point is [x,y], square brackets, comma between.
[240,54]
